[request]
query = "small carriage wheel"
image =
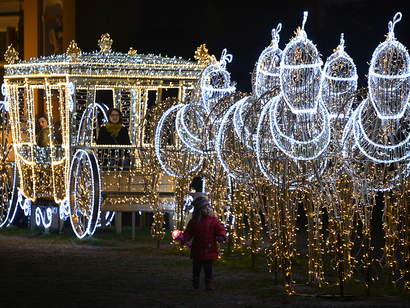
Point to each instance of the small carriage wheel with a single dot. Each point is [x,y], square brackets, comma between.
[85,193]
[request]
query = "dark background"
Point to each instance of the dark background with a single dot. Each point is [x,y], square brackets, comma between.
[178,27]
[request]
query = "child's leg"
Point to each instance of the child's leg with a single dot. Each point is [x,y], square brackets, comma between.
[208,274]
[196,267]
[208,269]
[196,271]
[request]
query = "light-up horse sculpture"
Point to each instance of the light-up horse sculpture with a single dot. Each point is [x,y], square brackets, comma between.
[376,142]
[334,189]
[299,128]
[198,120]
[280,187]
[300,125]
[236,139]
[176,159]
[215,94]
[193,125]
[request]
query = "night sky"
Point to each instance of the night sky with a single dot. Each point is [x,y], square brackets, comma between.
[178,27]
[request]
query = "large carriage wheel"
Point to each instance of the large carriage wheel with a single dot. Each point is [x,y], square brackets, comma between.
[85,193]
[8,191]
[8,194]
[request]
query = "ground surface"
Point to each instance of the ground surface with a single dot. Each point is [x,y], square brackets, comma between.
[39,272]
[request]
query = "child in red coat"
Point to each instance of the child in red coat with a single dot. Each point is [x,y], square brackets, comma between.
[206,230]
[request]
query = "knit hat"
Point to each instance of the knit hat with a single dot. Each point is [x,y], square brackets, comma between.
[199,202]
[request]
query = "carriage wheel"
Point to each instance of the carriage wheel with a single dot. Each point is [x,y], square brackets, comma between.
[85,193]
[8,191]
[8,195]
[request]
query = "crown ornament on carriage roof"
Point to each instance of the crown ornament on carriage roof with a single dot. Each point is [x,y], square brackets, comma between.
[105,43]
[73,51]
[132,51]
[11,55]
[203,57]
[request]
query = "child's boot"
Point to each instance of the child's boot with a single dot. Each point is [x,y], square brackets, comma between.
[209,285]
[195,282]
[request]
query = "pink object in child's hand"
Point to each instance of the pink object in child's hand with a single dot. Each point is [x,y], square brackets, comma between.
[176,235]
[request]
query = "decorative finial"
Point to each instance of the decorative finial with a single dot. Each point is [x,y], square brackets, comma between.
[225,57]
[341,47]
[275,34]
[105,43]
[396,19]
[300,31]
[132,51]
[202,55]
[11,55]
[305,16]
[73,51]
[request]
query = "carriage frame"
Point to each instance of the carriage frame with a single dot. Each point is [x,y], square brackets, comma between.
[72,174]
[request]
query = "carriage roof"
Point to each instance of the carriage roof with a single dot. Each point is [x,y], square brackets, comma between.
[102,64]
[115,64]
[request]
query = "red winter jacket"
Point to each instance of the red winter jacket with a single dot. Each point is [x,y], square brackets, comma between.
[204,232]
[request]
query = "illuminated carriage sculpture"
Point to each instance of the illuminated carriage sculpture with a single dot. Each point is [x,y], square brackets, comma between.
[71,174]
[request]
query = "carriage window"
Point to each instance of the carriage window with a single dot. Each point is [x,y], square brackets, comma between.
[45,126]
[152,98]
[169,93]
[105,97]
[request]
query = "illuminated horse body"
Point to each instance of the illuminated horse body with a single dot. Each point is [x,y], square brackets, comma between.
[334,191]
[268,66]
[376,143]
[265,85]
[198,121]
[299,121]
[381,116]
[238,137]
[378,129]
[185,132]
[266,89]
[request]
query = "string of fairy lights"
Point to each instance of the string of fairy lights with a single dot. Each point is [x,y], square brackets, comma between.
[306,135]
